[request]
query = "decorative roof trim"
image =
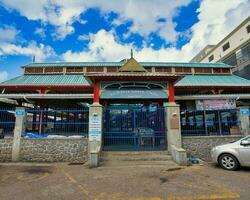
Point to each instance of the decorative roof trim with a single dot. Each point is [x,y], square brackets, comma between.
[119,64]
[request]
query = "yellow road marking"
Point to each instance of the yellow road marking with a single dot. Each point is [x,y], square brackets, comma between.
[207,197]
[5,177]
[86,192]
[101,196]
[72,180]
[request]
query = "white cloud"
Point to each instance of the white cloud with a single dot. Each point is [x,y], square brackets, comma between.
[216,20]
[63,13]
[40,32]
[103,46]
[8,34]
[3,76]
[40,51]
[8,46]
[83,37]
[145,15]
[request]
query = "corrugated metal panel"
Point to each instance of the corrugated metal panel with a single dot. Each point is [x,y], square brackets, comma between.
[118,64]
[55,79]
[212,80]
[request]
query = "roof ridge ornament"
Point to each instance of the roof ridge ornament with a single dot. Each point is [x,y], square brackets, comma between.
[132,65]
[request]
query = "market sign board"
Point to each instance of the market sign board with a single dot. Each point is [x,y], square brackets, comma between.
[20,112]
[95,128]
[244,112]
[134,94]
[214,104]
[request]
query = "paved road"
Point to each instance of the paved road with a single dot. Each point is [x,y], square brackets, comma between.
[131,180]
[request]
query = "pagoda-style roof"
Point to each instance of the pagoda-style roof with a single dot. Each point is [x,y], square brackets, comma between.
[132,66]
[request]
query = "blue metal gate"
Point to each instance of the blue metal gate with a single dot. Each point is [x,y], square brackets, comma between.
[130,128]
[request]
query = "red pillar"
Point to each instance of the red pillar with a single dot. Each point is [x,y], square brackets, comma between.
[171,91]
[96,91]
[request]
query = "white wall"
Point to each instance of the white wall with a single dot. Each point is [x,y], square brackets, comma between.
[235,40]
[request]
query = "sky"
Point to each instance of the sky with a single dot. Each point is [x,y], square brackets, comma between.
[106,30]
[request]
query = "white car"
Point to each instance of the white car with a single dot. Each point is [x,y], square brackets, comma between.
[233,155]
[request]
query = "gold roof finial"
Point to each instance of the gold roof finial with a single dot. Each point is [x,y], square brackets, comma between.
[132,65]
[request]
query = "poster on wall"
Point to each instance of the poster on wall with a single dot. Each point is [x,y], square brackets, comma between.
[215,104]
[95,125]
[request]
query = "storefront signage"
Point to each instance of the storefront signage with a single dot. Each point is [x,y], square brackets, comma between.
[215,104]
[20,113]
[134,94]
[95,127]
[244,112]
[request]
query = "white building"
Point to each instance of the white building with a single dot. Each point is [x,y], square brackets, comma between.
[233,50]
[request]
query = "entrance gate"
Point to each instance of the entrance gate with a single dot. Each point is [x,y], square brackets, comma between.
[134,128]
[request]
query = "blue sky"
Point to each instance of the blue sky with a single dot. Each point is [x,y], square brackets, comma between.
[91,30]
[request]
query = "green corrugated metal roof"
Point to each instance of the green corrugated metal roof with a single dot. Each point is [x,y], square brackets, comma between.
[118,64]
[54,79]
[212,80]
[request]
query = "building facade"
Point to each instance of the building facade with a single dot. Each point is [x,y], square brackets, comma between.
[127,105]
[233,50]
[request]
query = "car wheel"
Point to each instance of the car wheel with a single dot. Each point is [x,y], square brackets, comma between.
[228,162]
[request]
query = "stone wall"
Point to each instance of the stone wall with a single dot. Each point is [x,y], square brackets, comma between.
[6,149]
[200,146]
[73,150]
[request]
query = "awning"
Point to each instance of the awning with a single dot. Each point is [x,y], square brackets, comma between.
[134,94]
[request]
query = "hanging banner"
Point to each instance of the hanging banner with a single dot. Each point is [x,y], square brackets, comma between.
[215,104]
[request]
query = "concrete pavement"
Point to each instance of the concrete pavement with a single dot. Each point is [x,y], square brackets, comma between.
[126,180]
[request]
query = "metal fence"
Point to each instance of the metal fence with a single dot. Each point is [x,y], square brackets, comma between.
[210,122]
[7,122]
[58,122]
[134,128]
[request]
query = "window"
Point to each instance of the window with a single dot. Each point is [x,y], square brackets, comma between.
[94,69]
[203,70]
[210,58]
[226,46]
[149,69]
[33,70]
[111,69]
[231,60]
[244,54]
[74,70]
[53,70]
[217,70]
[225,71]
[248,29]
[184,70]
[221,71]
[163,69]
